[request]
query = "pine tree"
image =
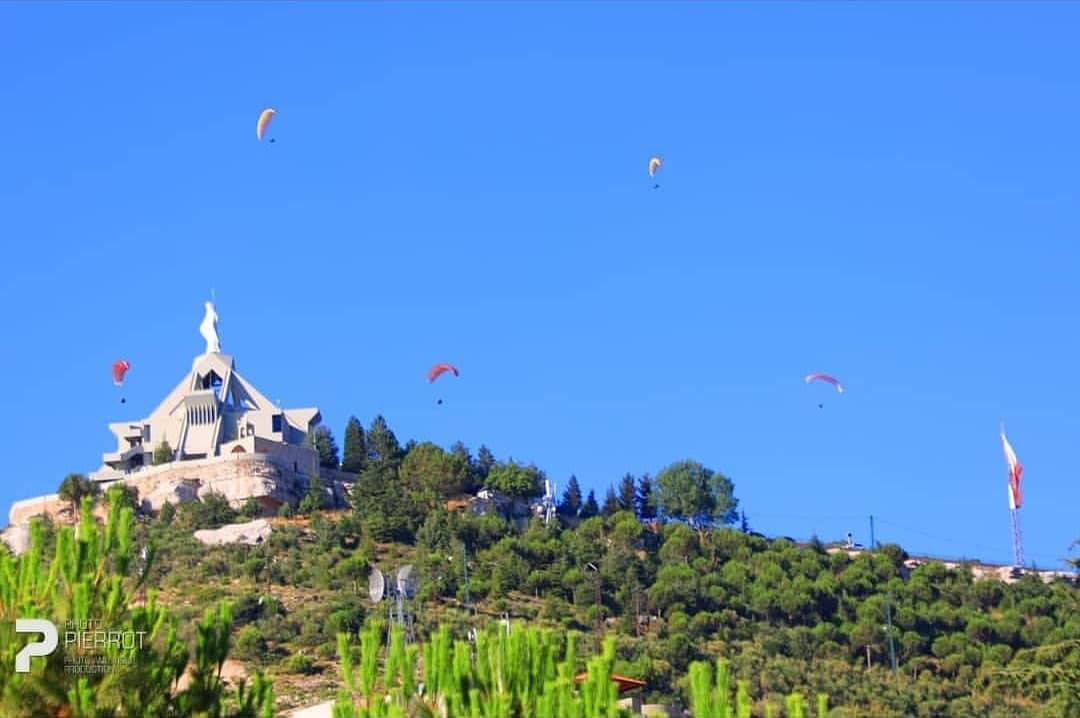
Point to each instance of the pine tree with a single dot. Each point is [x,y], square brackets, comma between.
[384,507]
[485,460]
[462,453]
[571,501]
[611,503]
[688,490]
[99,572]
[314,499]
[326,447]
[163,454]
[590,507]
[382,445]
[355,447]
[627,494]
[645,508]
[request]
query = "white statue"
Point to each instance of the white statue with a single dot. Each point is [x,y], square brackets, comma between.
[208,329]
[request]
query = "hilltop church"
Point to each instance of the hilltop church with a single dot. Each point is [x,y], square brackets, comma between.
[212,412]
[213,433]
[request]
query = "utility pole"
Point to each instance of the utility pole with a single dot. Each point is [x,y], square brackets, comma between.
[888,624]
[888,613]
[465,566]
[637,612]
[599,618]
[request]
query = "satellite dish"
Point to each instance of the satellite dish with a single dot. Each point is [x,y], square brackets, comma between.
[406,581]
[376,585]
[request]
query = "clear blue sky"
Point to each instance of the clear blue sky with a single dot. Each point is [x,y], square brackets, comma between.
[886,192]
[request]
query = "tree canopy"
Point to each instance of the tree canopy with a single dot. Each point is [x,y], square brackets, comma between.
[512,479]
[430,469]
[687,490]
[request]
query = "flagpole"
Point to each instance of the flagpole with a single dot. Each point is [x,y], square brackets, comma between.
[1017,538]
[1014,507]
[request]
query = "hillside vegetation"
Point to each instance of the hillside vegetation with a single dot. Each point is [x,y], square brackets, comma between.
[656,569]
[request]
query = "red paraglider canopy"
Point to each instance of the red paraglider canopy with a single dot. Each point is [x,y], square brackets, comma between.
[439,369]
[119,369]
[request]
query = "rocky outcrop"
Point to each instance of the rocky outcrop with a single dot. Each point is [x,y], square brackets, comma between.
[236,477]
[251,533]
[169,491]
[50,505]
[17,538]
[270,479]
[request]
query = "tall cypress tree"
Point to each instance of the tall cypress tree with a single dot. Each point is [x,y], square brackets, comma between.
[384,508]
[627,494]
[611,503]
[382,445]
[324,444]
[590,507]
[472,483]
[485,460]
[645,508]
[571,501]
[461,451]
[356,451]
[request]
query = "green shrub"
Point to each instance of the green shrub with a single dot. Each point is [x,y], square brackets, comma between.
[163,454]
[251,509]
[210,512]
[166,514]
[299,663]
[250,644]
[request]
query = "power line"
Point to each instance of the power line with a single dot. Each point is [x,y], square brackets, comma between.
[965,544]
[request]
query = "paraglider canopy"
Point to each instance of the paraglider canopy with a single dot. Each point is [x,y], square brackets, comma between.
[819,376]
[264,120]
[119,370]
[439,369]
[654,165]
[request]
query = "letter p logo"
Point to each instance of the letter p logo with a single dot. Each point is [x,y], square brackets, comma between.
[38,648]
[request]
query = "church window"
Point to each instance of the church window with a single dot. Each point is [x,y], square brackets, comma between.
[276,424]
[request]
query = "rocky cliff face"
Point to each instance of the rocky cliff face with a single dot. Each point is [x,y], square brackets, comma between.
[237,477]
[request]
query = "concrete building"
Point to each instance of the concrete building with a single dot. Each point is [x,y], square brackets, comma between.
[224,437]
[212,412]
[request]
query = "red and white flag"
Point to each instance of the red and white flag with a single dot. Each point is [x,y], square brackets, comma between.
[1016,470]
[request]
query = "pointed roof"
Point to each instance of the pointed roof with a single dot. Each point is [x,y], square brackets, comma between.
[211,405]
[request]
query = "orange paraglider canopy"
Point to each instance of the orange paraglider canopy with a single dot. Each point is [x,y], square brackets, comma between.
[439,369]
[264,119]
